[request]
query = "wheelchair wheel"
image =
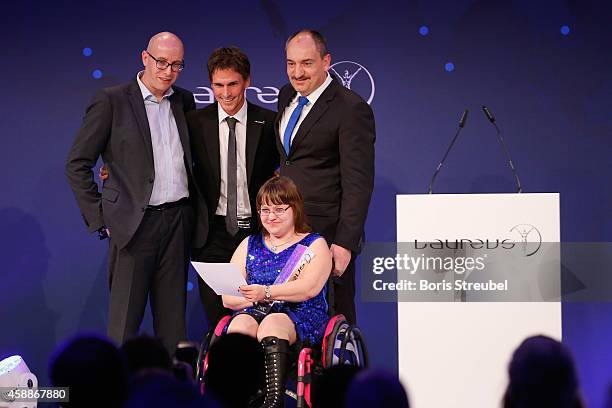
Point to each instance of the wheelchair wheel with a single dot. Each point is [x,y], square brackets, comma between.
[210,338]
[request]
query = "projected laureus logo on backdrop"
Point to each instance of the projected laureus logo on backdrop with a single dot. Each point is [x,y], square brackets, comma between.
[351,75]
[266,94]
[355,77]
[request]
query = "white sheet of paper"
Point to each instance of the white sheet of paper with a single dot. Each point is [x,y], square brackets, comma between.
[223,278]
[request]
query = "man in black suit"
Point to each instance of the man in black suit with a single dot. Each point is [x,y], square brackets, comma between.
[147,202]
[235,153]
[326,139]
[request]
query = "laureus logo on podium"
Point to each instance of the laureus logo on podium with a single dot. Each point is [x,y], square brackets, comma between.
[355,77]
[529,237]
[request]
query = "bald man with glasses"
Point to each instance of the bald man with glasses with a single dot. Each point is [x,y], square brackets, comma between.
[148,207]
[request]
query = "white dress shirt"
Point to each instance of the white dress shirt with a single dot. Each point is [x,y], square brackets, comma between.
[170,182]
[242,196]
[312,99]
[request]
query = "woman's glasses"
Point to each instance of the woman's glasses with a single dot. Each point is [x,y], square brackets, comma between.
[278,211]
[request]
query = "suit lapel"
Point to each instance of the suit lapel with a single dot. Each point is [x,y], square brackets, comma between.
[210,131]
[253,135]
[176,103]
[282,105]
[315,113]
[140,113]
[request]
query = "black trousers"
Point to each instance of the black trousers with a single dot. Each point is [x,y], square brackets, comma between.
[342,293]
[219,247]
[152,266]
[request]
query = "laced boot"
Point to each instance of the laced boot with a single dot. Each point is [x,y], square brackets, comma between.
[276,362]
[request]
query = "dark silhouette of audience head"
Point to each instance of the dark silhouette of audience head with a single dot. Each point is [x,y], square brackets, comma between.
[145,352]
[94,370]
[235,370]
[160,389]
[376,389]
[329,389]
[542,375]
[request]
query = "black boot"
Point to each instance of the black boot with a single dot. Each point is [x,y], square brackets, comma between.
[277,358]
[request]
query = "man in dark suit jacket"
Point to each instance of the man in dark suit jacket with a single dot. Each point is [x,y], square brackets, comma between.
[255,159]
[147,201]
[326,137]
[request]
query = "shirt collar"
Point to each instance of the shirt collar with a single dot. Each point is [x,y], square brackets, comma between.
[241,115]
[146,94]
[314,95]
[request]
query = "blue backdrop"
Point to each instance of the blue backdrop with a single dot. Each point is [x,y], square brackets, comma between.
[542,67]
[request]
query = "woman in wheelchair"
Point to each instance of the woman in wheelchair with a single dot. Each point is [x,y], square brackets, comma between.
[280,314]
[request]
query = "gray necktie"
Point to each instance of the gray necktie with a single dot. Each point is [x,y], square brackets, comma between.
[231,217]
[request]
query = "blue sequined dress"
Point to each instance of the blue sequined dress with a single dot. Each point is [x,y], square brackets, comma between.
[263,266]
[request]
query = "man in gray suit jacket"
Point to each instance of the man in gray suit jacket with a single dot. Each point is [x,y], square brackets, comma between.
[147,202]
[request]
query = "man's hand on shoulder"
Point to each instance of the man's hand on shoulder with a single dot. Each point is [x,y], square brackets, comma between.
[341,258]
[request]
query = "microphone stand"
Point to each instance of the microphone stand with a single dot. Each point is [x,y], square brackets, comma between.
[500,138]
[461,125]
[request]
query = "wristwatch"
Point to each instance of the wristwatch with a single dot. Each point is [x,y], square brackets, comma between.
[267,294]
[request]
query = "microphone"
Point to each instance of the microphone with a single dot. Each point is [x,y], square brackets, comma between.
[463,118]
[488,114]
[461,125]
[500,138]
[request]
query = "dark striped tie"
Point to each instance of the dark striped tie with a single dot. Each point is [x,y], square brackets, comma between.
[231,217]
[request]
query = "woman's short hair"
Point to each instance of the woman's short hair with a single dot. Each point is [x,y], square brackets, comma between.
[281,190]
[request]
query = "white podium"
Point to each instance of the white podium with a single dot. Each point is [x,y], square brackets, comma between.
[455,354]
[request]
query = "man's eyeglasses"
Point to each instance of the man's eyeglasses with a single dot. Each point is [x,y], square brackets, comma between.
[163,64]
[278,211]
